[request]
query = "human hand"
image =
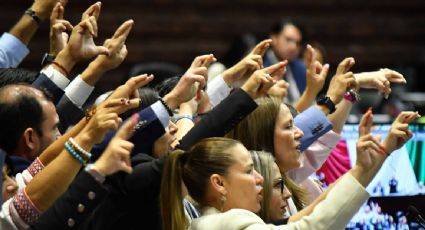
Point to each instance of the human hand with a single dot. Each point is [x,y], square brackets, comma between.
[280,89]
[246,67]
[130,88]
[105,117]
[380,80]
[43,8]
[190,84]
[316,72]
[81,45]
[117,50]
[58,30]
[262,80]
[342,81]
[116,156]
[399,132]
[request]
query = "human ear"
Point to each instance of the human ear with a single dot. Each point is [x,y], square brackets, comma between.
[218,184]
[30,138]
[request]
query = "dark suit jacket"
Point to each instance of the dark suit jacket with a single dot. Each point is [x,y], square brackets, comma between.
[68,112]
[74,206]
[133,201]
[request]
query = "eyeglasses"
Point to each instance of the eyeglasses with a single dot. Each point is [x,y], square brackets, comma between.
[279,185]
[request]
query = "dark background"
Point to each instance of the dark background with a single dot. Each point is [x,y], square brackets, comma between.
[378,33]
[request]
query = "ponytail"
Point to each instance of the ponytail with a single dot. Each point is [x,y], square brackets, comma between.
[171,197]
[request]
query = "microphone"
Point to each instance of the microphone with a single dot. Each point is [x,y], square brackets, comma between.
[416,215]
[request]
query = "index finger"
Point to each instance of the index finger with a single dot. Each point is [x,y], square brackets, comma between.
[345,65]
[276,67]
[93,10]
[261,47]
[197,62]
[122,32]
[405,116]
[56,12]
[365,124]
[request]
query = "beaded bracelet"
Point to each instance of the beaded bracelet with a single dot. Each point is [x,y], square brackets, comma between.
[170,112]
[82,152]
[75,154]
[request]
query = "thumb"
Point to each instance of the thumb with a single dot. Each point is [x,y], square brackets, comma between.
[125,165]
[102,50]
[127,129]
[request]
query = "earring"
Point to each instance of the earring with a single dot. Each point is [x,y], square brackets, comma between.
[222,201]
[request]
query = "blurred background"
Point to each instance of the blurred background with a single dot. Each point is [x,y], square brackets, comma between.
[379,33]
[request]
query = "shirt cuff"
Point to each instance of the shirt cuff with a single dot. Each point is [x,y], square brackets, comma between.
[57,77]
[161,112]
[16,51]
[330,139]
[78,91]
[217,90]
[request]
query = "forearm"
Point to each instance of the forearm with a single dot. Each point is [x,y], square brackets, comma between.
[24,29]
[92,74]
[184,124]
[54,180]
[56,147]
[339,117]
[305,101]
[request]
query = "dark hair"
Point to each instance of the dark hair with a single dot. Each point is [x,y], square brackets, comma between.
[16,75]
[168,84]
[18,112]
[194,168]
[279,25]
[239,48]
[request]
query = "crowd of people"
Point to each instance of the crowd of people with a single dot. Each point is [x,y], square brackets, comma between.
[233,152]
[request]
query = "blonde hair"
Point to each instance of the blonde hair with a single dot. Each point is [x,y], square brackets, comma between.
[194,168]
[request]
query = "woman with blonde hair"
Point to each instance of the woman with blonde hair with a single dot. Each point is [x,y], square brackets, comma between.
[219,174]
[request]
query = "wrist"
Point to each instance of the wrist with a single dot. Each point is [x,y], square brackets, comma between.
[171,101]
[92,74]
[40,12]
[66,61]
[228,77]
[85,140]
[96,171]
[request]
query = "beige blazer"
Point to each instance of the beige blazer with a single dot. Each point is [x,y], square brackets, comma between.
[342,202]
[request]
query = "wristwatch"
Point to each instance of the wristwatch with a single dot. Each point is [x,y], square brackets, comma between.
[326,101]
[34,16]
[47,59]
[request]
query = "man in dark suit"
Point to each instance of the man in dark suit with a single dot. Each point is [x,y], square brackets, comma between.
[286,45]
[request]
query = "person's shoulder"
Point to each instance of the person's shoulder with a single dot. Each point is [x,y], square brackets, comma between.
[232,219]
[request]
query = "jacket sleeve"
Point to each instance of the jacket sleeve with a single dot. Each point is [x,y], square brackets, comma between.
[314,156]
[220,120]
[46,83]
[74,206]
[314,124]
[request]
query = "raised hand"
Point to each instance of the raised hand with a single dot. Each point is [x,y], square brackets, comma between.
[246,67]
[342,81]
[262,80]
[117,53]
[58,30]
[81,45]
[380,80]
[129,89]
[191,83]
[280,89]
[116,156]
[43,8]
[105,117]
[399,133]
[316,72]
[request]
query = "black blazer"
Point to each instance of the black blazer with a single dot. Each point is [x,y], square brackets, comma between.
[74,206]
[68,112]
[133,201]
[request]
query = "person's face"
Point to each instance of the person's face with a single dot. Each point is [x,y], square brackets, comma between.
[279,197]
[287,141]
[287,43]
[10,187]
[243,184]
[49,127]
[162,145]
